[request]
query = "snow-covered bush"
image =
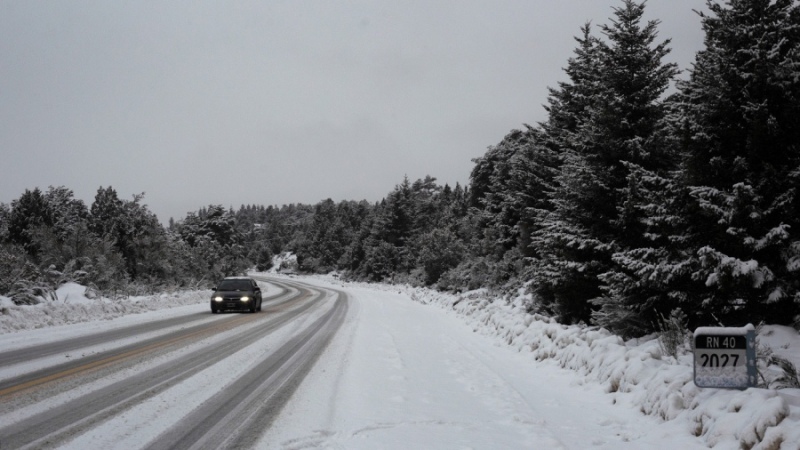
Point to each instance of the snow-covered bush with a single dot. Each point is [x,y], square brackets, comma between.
[672,333]
[789,379]
[31,293]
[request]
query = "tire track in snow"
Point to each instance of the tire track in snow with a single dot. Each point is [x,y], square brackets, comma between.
[237,416]
[60,423]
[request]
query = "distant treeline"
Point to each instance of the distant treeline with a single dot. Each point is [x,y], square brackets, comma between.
[623,207]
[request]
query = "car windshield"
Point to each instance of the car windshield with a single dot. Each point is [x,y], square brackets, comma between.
[234,285]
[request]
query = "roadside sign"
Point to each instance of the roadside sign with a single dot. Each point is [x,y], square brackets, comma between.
[725,357]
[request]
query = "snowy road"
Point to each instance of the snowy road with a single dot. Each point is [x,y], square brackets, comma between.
[397,374]
[123,396]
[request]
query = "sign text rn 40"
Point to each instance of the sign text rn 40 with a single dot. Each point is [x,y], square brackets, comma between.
[725,357]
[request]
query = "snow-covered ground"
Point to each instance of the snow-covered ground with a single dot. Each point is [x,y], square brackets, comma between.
[482,374]
[417,368]
[403,375]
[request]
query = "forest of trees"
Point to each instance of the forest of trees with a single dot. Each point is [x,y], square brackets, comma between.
[644,194]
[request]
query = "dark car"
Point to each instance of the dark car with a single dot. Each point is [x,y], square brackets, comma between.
[236,294]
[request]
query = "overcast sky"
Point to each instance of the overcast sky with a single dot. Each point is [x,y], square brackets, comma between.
[277,102]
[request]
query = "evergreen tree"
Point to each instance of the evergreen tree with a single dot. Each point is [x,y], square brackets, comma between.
[397,221]
[29,213]
[499,206]
[143,242]
[438,251]
[68,243]
[741,116]
[66,209]
[511,185]
[426,205]
[568,105]
[353,260]
[324,239]
[214,243]
[722,247]
[556,280]
[625,118]
[616,120]
[653,279]
[5,215]
[262,257]
[105,212]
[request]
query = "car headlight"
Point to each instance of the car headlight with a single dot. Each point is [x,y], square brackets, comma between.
[218,298]
[245,299]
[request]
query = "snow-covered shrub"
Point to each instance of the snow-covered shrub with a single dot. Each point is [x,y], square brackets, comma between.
[470,274]
[285,262]
[438,251]
[741,416]
[264,258]
[789,379]
[31,293]
[14,266]
[672,333]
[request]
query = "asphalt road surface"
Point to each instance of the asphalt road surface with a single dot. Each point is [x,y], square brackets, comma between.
[69,387]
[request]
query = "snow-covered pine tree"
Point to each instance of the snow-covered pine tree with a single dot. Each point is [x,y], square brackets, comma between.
[438,251]
[383,249]
[144,242]
[556,279]
[214,243]
[567,105]
[105,212]
[28,213]
[510,186]
[68,212]
[427,210]
[741,111]
[5,214]
[326,237]
[352,258]
[507,180]
[530,186]
[617,120]
[569,258]
[68,242]
[652,279]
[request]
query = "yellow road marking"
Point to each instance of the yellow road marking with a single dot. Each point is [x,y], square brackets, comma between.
[218,328]
[112,359]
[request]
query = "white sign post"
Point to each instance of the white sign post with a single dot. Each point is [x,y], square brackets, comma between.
[725,357]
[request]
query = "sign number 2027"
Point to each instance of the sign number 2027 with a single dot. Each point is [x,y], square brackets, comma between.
[719,360]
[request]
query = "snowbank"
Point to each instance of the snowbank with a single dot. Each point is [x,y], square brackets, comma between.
[636,372]
[73,306]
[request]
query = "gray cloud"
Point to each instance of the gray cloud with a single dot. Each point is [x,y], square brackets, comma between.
[278,102]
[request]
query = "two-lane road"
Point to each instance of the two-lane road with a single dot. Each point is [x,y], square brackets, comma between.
[47,400]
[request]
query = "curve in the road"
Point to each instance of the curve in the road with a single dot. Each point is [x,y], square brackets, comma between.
[50,427]
[80,367]
[236,416]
